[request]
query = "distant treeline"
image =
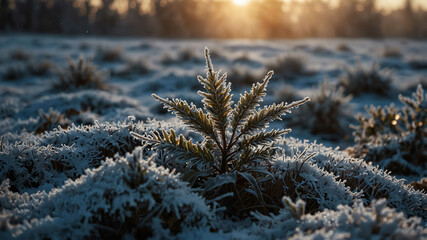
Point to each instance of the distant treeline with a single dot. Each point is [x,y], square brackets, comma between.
[213,18]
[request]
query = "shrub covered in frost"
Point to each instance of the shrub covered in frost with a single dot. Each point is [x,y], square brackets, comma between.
[39,68]
[81,74]
[14,72]
[365,180]
[342,47]
[187,54]
[392,52]
[241,76]
[129,196]
[286,93]
[50,120]
[359,80]
[106,54]
[51,158]
[295,176]
[20,55]
[167,59]
[418,63]
[139,67]
[81,107]
[289,65]
[376,221]
[328,113]
[396,139]
[233,157]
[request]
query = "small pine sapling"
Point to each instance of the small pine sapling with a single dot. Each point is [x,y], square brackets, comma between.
[236,142]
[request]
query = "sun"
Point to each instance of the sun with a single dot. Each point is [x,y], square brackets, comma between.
[241,2]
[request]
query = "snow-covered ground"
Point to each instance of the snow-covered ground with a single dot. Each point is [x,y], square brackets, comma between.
[61,179]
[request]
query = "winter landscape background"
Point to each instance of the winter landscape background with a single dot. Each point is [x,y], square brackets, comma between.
[79,154]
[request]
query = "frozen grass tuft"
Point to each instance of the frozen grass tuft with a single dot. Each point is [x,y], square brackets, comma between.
[392,52]
[138,67]
[241,76]
[328,112]
[418,63]
[359,80]
[187,54]
[106,54]
[40,68]
[286,93]
[81,75]
[395,138]
[342,47]
[376,221]
[20,55]
[289,65]
[14,72]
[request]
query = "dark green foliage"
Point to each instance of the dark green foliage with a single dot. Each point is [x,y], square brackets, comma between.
[395,137]
[236,149]
[361,80]
[82,74]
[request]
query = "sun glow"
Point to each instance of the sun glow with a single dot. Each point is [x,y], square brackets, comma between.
[241,2]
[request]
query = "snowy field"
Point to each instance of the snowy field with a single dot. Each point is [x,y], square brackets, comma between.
[70,168]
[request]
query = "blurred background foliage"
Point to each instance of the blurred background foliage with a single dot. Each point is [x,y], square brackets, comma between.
[215,18]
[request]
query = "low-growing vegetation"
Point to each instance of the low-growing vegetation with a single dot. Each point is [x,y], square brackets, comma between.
[395,138]
[357,80]
[286,93]
[234,156]
[328,112]
[106,54]
[84,163]
[20,55]
[392,52]
[289,66]
[81,74]
[138,67]
[14,72]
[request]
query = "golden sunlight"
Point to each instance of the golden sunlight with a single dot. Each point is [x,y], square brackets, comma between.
[241,2]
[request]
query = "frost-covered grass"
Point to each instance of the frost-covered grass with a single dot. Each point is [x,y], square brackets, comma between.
[70,168]
[361,79]
[328,112]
